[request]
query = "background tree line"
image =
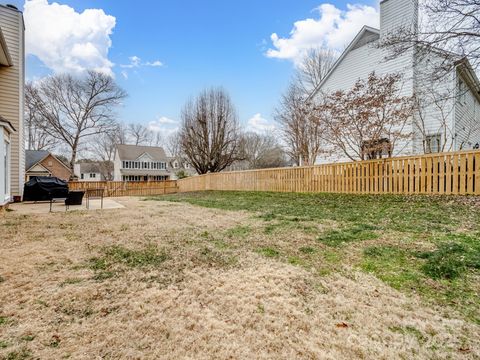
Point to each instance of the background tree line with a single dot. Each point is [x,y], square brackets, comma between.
[367,121]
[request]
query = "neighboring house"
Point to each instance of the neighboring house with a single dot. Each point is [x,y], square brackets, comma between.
[140,163]
[179,165]
[43,163]
[12,78]
[449,123]
[90,171]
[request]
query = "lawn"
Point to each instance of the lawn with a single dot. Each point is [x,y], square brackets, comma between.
[244,275]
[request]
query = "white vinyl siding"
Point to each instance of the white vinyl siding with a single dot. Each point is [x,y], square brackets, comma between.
[467,118]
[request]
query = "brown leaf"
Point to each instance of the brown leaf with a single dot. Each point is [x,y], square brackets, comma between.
[342,325]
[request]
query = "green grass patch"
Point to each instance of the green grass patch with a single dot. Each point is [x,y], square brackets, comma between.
[71,281]
[307,250]
[5,320]
[21,354]
[116,257]
[269,252]
[338,237]
[239,231]
[452,258]
[410,330]
[396,212]
[424,245]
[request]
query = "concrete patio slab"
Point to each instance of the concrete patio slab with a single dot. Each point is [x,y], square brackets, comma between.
[44,207]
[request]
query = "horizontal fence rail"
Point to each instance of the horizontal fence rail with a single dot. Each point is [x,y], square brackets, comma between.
[443,173]
[126,188]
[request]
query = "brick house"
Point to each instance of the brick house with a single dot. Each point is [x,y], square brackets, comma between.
[43,163]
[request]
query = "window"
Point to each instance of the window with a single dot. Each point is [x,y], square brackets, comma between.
[81,176]
[93,175]
[433,143]
[175,165]
[187,165]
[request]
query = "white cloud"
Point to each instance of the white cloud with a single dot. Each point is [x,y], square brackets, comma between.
[334,29]
[136,62]
[66,40]
[155,63]
[259,124]
[163,125]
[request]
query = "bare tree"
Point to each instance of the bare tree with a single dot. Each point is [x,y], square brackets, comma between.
[209,132]
[72,109]
[300,126]
[368,120]
[300,123]
[173,144]
[139,134]
[38,138]
[452,26]
[261,151]
[314,66]
[103,147]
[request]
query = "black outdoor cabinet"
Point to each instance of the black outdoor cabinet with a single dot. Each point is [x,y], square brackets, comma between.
[74,197]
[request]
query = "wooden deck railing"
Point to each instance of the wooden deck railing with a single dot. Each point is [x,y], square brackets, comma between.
[444,173]
[123,188]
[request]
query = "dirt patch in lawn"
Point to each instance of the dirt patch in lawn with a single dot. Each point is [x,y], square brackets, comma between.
[162,280]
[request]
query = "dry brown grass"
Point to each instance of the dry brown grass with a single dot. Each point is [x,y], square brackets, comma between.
[213,296]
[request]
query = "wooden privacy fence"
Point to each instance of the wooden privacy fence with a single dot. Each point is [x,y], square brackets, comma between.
[124,188]
[444,173]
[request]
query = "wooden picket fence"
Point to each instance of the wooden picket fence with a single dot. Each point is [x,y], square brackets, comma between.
[125,188]
[443,173]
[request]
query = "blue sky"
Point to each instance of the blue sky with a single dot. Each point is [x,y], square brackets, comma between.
[198,43]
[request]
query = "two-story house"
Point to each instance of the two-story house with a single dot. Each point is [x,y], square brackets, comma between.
[449,116]
[140,163]
[12,78]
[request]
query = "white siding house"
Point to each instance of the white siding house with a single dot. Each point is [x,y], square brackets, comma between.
[459,112]
[12,150]
[89,171]
[140,163]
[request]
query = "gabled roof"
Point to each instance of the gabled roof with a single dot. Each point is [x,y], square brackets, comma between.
[356,42]
[7,124]
[92,167]
[133,152]
[465,69]
[33,157]
[5,58]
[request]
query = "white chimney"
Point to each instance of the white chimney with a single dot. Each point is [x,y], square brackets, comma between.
[398,15]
